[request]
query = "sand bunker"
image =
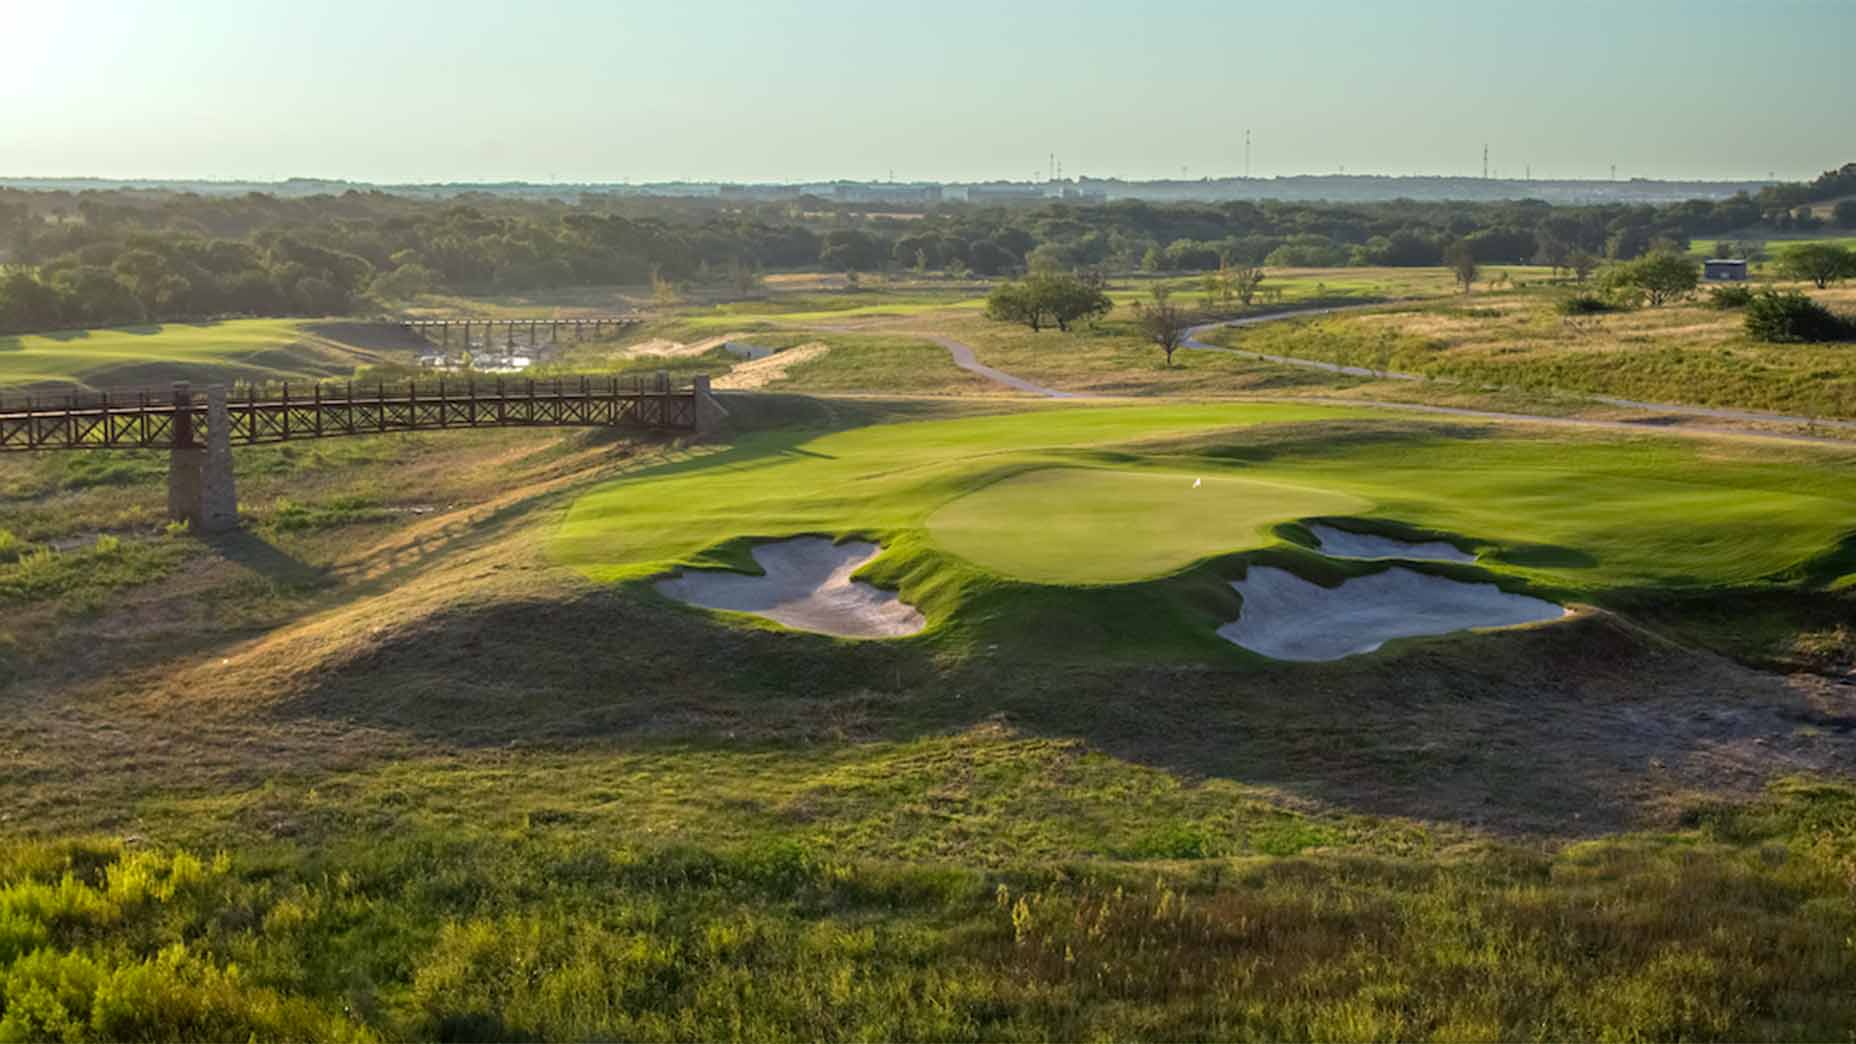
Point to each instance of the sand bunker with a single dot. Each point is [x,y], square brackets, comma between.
[1288,618]
[763,371]
[1339,543]
[807,587]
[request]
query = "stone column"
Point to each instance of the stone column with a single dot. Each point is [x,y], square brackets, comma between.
[710,414]
[200,488]
[218,493]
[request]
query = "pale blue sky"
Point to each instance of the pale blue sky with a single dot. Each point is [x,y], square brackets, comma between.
[577,90]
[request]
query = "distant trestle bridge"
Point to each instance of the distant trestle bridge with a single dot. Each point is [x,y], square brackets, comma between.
[439,331]
[200,428]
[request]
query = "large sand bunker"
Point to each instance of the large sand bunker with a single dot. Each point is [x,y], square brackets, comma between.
[807,587]
[763,370]
[1288,618]
[1341,543]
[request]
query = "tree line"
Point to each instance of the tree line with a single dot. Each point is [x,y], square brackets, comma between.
[109,257]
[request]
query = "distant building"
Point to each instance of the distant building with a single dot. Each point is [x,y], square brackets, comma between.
[885,192]
[1724,268]
[1005,192]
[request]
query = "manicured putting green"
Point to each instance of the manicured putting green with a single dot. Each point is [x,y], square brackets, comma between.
[1106,525]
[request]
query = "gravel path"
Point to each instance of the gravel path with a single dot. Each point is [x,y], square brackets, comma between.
[963,358]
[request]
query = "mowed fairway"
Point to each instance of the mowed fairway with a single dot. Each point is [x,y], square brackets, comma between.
[999,522]
[128,356]
[1107,525]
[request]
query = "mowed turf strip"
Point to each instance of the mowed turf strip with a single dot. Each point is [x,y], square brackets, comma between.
[1107,525]
[233,349]
[1568,516]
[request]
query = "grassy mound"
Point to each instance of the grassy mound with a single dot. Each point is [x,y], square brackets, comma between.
[259,350]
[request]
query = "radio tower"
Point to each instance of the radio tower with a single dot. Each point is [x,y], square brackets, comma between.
[1246,154]
[1485,163]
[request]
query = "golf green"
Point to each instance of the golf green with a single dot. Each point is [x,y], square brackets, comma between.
[1111,525]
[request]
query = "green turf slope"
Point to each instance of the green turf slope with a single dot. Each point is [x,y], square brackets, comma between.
[141,356]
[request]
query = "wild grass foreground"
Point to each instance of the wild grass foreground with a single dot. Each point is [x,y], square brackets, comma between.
[1738,928]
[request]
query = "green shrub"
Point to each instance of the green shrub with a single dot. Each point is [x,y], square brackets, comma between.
[11,547]
[1783,316]
[1730,297]
[1584,304]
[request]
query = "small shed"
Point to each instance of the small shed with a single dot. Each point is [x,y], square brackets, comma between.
[1732,269]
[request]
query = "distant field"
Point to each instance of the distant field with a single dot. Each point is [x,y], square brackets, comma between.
[1686,353]
[153,355]
[1708,247]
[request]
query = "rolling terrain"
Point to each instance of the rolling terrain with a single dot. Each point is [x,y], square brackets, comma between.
[422,752]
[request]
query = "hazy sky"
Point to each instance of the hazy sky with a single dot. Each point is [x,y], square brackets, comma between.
[763,90]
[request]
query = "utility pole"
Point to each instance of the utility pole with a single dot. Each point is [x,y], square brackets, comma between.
[1485,162]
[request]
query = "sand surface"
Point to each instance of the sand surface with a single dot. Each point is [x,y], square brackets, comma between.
[1287,618]
[807,587]
[762,371]
[1339,543]
[664,348]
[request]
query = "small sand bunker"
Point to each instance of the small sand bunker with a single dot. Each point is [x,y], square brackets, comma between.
[1288,618]
[807,587]
[761,372]
[1339,543]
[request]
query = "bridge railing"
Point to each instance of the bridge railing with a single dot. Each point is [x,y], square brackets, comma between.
[145,419]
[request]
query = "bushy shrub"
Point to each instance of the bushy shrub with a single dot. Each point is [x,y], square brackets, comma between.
[1786,315]
[1584,304]
[1730,297]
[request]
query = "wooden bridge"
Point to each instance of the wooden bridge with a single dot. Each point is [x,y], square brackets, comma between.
[201,429]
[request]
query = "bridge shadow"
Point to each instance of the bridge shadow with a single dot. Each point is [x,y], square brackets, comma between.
[266,559]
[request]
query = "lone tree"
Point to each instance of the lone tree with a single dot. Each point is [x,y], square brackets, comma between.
[1015,303]
[1460,258]
[1657,278]
[1245,281]
[1582,263]
[1048,297]
[1164,322]
[1821,263]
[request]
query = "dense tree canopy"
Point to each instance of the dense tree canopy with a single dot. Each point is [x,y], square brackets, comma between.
[119,255]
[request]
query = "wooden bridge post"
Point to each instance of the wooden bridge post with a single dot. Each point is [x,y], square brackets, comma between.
[184,461]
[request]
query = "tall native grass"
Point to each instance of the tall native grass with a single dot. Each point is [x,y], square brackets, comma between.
[1738,927]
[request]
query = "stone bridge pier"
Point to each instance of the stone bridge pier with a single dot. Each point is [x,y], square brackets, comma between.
[201,492]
